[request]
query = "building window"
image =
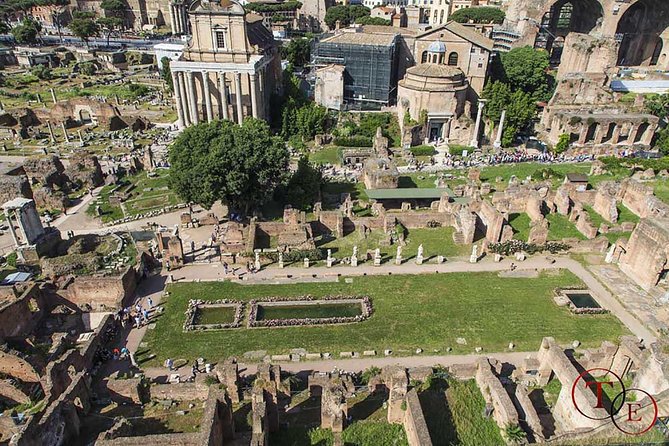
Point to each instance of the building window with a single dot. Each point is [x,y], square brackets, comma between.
[220,40]
[453,59]
[480,65]
[423,59]
[441,17]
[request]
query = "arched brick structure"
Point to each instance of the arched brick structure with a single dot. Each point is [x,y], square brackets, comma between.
[643,31]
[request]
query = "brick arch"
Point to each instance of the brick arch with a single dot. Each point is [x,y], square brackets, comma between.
[643,31]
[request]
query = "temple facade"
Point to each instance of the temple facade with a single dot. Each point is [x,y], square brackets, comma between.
[229,68]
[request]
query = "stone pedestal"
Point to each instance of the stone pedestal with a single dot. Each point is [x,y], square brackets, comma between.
[398,260]
[354,261]
[419,259]
[441,259]
[306,262]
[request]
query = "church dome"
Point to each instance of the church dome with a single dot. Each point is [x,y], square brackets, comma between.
[437,47]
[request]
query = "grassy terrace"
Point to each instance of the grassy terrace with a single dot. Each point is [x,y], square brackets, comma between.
[410,311]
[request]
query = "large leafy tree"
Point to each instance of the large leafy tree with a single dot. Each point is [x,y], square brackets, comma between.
[27,31]
[526,69]
[303,188]
[297,52]
[238,164]
[345,14]
[520,108]
[109,26]
[84,26]
[483,14]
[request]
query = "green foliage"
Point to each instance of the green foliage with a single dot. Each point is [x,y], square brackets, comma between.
[457,149]
[369,373]
[12,257]
[408,120]
[210,380]
[113,5]
[562,144]
[311,120]
[297,52]
[42,72]
[304,187]
[297,255]
[87,68]
[370,433]
[368,20]
[298,117]
[109,26]
[166,74]
[423,151]
[483,14]
[345,14]
[27,31]
[353,141]
[515,433]
[525,69]
[138,90]
[614,164]
[513,246]
[241,165]
[520,108]
[83,26]
[658,105]
[273,7]
[546,173]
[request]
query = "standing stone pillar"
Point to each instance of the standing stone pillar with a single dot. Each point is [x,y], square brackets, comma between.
[647,137]
[223,95]
[192,109]
[500,131]
[632,135]
[8,217]
[184,99]
[67,138]
[184,19]
[477,127]
[51,135]
[446,129]
[583,135]
[238,97]
[173,19]
[615,138]
[254,95]
[181,122]
[53,95]
[207,96]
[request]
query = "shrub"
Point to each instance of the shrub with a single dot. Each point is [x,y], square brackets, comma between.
[210,380]
[562,144]
[353,141]
[11,259]
[369,373]
[298,255]
[423,150]
[456,149]
[513,246]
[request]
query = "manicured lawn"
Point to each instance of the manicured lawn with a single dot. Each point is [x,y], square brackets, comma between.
[455,416]
[435,241]
[326,155]
[523,170]
[410,311]
[662,190]
[559,227]
[521,226]
[215,315]
[308,311]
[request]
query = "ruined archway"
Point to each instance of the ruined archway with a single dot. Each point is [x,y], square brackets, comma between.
[641,31]
[564,17]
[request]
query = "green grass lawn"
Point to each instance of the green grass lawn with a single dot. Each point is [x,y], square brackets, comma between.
[662,190]
[523,170]
[521,226]
[559,227]
[410,311]
[215,315]
[308,311]
[624,215]
[435,241]
[326,155]
[455,417]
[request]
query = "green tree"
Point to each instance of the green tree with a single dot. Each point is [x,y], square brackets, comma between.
[297,52]
[166,73]
[83,26]
[109,26]
[27,31]
[238,164]
[345,14]
[304,186]
[367,20]
[311,120]
[483,14]
[42,72]
[525,69]
[662,141]
[658,104]
[562,144]
[521,109]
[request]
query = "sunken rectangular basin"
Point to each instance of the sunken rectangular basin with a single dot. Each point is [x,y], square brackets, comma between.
[582,299]
[308,310]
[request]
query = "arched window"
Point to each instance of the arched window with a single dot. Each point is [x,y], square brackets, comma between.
[434,20]
[453,58]
[423,58]
[441,17]
[434,58]
[441,59]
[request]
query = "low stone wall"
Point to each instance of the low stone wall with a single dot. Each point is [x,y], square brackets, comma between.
[179,392]
[102,293]
[414,422]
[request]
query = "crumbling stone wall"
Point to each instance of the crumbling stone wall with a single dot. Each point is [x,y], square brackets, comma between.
[228,375]
[13,186]
[606,204]
[493,220]
[414,423]
[647,252]
[20,316]
[46,170]
[102,293]
[639,198]
[85,169]
[333,406]
[494,393]
[395,378]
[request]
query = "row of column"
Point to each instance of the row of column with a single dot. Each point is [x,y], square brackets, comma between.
[186,95]
[178,18]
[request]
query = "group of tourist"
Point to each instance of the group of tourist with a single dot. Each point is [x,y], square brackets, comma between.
[136,316]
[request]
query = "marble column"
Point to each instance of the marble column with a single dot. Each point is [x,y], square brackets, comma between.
[177,99]
[207,96]
[446,129]
[184,99]
[184,20]
[254,95]
[173,19]
[223,96]
[238,97]
[477,127]
[192,109]
[500,131]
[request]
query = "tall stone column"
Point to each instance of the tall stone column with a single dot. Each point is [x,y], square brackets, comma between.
[648,134]
[173,19]
[446,129]
[238,97]
[207,96]
[10,223]
[177,98]
[223,95]
[632,135]
[477,127]
[583,135]
[254,95]
[615,138]
[500,131]
[192,96]
[188,120]
[184,19]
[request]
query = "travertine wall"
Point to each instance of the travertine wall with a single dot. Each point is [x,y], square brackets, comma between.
[494,393]
[647,252]
[414,422]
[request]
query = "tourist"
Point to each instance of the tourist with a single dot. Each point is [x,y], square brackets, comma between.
[138,321]
[169,364]
[124,352]
[145,315]
[225,268]
[149,302]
